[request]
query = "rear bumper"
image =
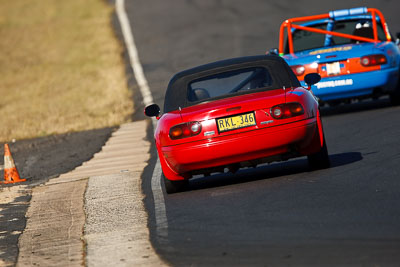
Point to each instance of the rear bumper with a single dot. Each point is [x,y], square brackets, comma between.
[356,85]
[236,148]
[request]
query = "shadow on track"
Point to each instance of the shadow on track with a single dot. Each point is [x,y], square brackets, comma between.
[12,223]
[275,170]
[356,107]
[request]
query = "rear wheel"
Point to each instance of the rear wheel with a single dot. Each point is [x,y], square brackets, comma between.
[319,160]
[395,97]
[334,103]
[175,186]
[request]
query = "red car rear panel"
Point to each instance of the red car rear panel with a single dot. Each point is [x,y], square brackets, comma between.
[233,148]
[211,148]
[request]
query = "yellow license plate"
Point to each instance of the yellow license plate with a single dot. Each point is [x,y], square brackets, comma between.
[236,122]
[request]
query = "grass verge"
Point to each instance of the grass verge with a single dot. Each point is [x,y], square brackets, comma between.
[61,68]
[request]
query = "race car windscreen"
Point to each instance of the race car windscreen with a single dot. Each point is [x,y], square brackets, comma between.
[306,40]
[227,83]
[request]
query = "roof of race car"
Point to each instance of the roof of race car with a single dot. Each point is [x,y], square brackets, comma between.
[177,91]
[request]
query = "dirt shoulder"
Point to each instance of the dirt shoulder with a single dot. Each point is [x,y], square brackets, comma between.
[61,69]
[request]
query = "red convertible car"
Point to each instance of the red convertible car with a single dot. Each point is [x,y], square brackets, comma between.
[236,113]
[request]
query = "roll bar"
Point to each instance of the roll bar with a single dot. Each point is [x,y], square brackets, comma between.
[289,24]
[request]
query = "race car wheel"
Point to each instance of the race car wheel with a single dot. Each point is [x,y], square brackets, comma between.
[334,103]
[175,186]
[319,160]
[395,97]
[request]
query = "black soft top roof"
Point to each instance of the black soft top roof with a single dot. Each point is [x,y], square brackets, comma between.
[176,94]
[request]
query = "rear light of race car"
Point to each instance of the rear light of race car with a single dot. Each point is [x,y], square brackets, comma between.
[184,130]
[287,110]
[373,60]
[298,69]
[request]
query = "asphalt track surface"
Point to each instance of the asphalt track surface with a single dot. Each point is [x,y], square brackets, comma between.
[280,214]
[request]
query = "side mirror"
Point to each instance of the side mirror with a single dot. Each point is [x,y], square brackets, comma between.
[397,38]
[152,110]
[311,79]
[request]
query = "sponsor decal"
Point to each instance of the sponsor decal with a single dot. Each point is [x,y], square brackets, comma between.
[266,122]
[209,133]
[334,83]
[333,49]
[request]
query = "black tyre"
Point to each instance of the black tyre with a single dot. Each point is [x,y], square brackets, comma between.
[334,103]
[395,98]
[319,160]
[175,186]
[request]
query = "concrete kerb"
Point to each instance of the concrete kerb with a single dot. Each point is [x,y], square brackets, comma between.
[59,232]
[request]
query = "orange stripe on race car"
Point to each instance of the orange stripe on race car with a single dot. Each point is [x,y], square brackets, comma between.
[350,66]
[354,66]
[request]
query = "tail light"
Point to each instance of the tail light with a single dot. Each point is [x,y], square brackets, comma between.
[184,130]
[298,69]
[373,60]
[287,110]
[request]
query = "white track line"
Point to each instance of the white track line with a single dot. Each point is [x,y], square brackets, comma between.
[133,53]
[159,204]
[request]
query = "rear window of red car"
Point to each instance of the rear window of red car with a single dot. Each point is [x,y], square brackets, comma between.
[231,82]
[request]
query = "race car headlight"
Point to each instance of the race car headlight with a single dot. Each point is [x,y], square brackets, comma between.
[184,130]
[287,110]
[373,60]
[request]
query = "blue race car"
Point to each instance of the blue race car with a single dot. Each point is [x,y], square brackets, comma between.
[352,50]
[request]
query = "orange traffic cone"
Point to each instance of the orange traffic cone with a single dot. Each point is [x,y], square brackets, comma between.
[11,174]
